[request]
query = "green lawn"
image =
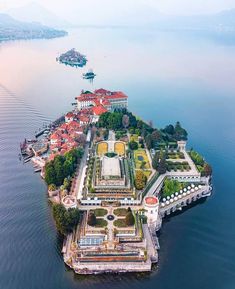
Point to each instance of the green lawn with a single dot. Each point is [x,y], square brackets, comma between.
[120,223]
[140,156]
[120,212]
[101,223]
[100,212]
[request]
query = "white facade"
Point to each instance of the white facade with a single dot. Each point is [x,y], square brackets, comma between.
[151,206]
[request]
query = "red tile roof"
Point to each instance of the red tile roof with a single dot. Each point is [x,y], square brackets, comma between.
[116,95]
[102,91]
[98,110]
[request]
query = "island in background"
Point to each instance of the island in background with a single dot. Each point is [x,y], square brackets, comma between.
[72,58]
[112,178]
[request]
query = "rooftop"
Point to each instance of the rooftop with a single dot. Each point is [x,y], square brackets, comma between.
[111,167]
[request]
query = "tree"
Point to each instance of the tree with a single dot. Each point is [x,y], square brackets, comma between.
[162,163]
[169,129]
[155,161]
[156,136]
[66,184]
[180,133]
[130,220]
[207,170]
[59,170]
[133,145]
[50,175]
[91,221]
[151,123]
[125,121]
[149,141]
[66,220]
[159,162]
[140,180]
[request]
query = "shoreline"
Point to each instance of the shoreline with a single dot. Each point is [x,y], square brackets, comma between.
[109,165]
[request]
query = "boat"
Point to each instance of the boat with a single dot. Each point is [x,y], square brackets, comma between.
[89,75]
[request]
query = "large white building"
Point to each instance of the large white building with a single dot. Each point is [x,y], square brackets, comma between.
[102,100]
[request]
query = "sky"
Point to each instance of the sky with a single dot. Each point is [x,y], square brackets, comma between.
[96,9]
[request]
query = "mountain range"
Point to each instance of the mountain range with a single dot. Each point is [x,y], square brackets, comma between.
[34,12]
[12,29]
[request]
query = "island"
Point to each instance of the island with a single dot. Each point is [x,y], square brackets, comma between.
[72,58]
[112,180]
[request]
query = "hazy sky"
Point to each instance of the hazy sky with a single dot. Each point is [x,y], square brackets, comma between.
[96,9]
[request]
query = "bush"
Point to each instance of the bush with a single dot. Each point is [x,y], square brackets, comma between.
[133,145]
[52,187]
[130,220]
[140,180]
[91,221]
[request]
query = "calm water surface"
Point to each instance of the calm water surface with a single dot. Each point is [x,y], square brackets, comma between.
[168,77]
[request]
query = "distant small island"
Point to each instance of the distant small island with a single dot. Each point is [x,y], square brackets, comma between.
[12,29]
[72,58]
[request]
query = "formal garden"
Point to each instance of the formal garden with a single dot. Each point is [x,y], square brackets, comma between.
[171,186]
[178,166]
[102,148]
[119,148]
[141,159]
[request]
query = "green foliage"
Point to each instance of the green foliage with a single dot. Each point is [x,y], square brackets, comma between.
[170,187]
[110,155]
[91,221]
[159,162]
[100,212]
[197,158]
[207,170]
[130,220]
[111,120]
[140,180]
[120,212]
[66,220]
[175,133]
[52,187]
[149,141]
[180,133]
[62,167]
[133,145]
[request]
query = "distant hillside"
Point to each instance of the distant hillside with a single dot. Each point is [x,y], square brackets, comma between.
[223,21]
[34,12]
[11,29]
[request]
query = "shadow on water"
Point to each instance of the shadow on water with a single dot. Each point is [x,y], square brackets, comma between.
[168,218]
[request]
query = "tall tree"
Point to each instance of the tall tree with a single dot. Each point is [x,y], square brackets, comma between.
[125,121]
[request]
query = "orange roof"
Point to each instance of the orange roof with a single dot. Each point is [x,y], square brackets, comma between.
[98,110]
[55,136]
[84,118]
[151,200]
[106,102]
[69,114]
[115,95]
[102,91]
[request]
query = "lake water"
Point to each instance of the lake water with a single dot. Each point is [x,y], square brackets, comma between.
[168,76]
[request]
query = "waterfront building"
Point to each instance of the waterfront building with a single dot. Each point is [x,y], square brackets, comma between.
[103,100]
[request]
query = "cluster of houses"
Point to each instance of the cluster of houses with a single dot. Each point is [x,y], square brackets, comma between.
[71,133]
